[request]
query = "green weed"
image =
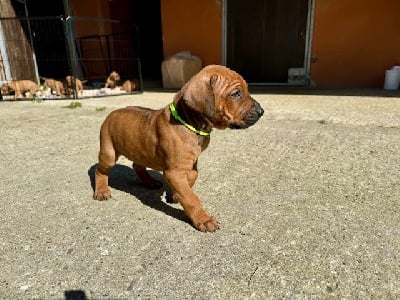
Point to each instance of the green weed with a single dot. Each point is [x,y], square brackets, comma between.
[73,105]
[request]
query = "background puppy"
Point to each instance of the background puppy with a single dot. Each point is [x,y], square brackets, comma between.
[20,87]
[130,85]
[172,138]
[69,85]
[112,80]
[56,86]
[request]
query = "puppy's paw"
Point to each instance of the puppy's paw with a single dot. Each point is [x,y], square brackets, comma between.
[102,194]
[207,224]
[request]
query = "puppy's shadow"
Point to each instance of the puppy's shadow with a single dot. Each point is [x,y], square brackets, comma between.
[124,178]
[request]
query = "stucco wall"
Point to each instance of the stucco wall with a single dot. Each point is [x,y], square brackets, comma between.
[193,25]
[354,42]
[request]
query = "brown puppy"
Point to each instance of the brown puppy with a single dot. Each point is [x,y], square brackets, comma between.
[112,80]
[171,139]
[19,87]
[56,86]
[130,85]
[69,85]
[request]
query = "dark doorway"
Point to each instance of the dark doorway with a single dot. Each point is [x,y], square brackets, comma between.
[266,37]
[48,38]
[147,15]
[47,30]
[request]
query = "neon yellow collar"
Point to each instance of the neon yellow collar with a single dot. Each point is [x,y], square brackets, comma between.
[178,118]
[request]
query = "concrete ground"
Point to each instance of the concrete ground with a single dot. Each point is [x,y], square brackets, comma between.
[308,200]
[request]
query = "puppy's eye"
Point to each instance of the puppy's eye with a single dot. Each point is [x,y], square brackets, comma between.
[236,94]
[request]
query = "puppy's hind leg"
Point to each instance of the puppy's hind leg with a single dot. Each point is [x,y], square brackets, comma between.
[148,181]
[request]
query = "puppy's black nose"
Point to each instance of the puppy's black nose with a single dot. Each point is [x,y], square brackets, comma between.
[259,109]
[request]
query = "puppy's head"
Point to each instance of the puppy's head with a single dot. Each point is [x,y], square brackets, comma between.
[8,88]
[68,80]
[67,86]
[114,76]
[5,89]
[222,97]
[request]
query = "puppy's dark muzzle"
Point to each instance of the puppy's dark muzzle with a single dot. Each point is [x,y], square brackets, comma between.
[250,118]
[254,114]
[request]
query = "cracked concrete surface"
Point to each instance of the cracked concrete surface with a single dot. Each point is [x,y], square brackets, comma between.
[308,200]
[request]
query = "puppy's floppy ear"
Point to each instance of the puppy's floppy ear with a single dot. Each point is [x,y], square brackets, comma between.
[213,80]
[199,96]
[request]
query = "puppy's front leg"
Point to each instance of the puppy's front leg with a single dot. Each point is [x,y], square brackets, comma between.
[17,93]
[182,193]
[102,191]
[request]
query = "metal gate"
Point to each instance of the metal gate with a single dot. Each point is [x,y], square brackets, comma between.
[39,48]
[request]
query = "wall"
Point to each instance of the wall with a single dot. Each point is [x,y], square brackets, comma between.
[91,9]
[354,42]
[193,25]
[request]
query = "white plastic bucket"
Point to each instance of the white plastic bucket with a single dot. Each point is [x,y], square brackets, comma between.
[392,79]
